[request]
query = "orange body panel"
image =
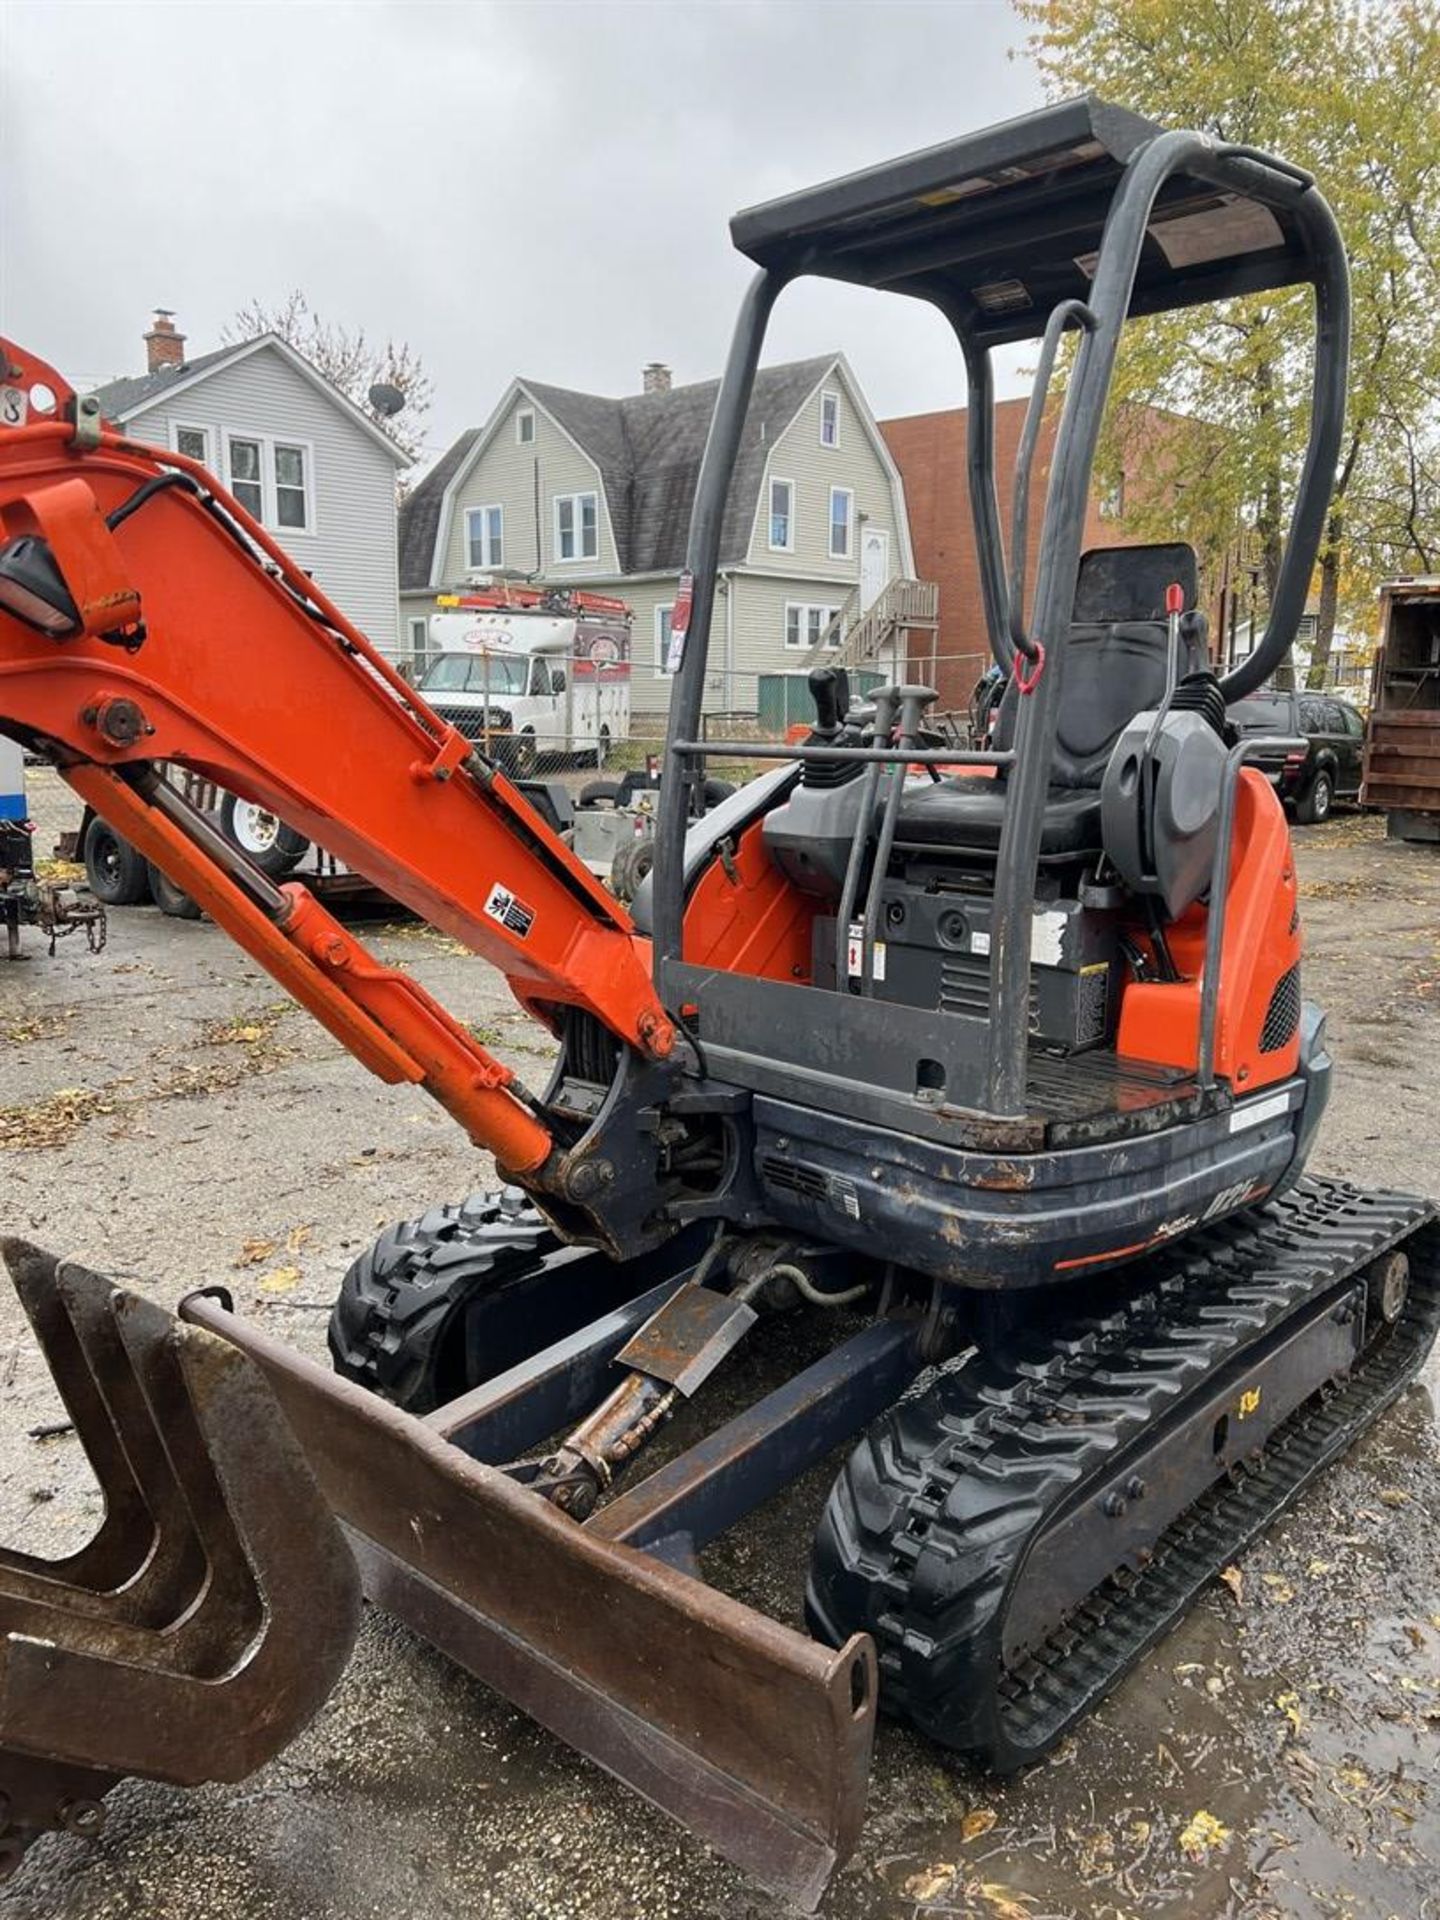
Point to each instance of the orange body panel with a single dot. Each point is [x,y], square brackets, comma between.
[755,922]
[1160,1021]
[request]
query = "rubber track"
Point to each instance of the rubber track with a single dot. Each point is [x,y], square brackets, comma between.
[938,1510]
[397,1305]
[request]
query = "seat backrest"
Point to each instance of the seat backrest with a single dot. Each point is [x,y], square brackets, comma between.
[1114,658]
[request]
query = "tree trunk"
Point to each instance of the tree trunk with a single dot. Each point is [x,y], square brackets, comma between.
[1272,549]
[1329,601]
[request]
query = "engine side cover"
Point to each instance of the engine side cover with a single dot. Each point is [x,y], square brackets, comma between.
[1169,854]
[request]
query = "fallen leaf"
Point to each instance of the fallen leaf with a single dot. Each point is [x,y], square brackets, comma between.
[1394,1497]
[299,1238]
[1281,1591]
[281,1280]
[1007,1905]
[1317,1567]
[979,1820]
[930,1882]
[1289,1705]
[1234,1580]
[1202,1835]
[252,1252]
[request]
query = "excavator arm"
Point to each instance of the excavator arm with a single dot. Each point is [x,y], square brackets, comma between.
[146,617]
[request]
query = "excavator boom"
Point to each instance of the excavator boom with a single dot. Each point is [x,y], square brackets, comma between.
[175,630]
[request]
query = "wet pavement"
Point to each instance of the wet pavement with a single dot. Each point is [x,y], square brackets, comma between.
[165,1118]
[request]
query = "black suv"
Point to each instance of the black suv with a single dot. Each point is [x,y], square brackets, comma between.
[1328,769]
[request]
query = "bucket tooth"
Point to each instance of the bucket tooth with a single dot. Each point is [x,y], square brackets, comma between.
[213,1611]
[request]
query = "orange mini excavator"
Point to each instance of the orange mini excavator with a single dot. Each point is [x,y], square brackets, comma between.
[1006,1084]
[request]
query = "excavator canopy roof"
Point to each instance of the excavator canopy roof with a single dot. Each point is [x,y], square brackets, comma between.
[999,227]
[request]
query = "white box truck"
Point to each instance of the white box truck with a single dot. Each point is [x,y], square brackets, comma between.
[535,678]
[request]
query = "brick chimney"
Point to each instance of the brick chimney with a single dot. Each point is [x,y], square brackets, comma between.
[657,377]
[164,347]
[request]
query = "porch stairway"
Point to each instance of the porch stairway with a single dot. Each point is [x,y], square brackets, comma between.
[903,609]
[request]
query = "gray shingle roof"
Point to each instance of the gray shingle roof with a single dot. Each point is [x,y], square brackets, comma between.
[420,513]
[647,447]
[119,398]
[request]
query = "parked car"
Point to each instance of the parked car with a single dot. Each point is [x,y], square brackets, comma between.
[1310,780]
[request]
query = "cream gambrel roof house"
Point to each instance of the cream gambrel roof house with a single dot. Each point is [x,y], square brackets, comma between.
[302,457]
[587,490]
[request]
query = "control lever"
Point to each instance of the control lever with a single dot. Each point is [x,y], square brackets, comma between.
[885,699]
[830,690]
[912,700]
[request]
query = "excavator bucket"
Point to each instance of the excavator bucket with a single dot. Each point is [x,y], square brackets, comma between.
[214,1608]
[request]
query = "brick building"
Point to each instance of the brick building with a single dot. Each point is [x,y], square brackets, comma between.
[929,449]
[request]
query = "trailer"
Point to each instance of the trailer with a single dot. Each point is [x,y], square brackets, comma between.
[1402,736]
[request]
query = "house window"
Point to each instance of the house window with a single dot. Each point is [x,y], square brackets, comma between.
[804,625]
[194,443]
[291,493]
[829,419]
[663,621]
[485,537]
[245,481]
[577,526]
[419,645]
[525,428]
[782,516]
[842,516]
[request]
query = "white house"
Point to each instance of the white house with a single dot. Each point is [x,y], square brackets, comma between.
[587,491]
[303,459]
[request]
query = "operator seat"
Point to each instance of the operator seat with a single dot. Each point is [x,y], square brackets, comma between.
[1113,666]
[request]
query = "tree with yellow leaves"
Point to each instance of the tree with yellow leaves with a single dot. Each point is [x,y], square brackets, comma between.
[1348,89]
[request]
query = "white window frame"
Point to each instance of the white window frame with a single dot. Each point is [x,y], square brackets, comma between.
[662,640]
[776,546]
[418,628]
[808,630]
[268,515]
[307,484]
[257,442]
[577,520]
[492,558]
[830,393]
[848,551]
[177,427]
[525,439]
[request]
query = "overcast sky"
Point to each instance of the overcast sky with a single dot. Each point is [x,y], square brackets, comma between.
[537,189]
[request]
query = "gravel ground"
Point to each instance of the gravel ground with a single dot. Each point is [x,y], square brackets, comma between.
[164,1117]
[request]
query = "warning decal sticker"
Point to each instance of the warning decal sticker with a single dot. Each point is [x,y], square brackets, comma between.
[512,913]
